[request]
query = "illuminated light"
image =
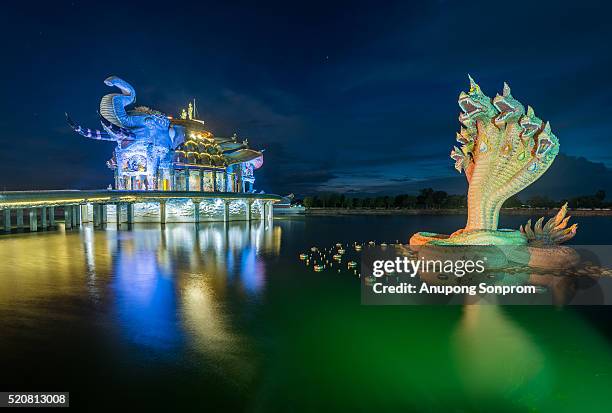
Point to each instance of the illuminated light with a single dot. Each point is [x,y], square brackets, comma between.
[303,256]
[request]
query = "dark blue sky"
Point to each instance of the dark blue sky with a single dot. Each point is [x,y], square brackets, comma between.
[343,96]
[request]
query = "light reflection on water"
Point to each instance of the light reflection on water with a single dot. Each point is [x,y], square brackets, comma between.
[226,317]
[163,286]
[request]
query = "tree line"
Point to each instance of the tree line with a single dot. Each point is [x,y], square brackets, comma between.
[428,198]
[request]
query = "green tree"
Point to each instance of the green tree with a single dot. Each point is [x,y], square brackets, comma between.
[513,202]
[309,202]
[425,198]
[439,198]
[539,201]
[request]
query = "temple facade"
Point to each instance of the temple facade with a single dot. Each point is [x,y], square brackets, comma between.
[155,151]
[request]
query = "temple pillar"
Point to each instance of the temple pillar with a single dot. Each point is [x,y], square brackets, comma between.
[68,217]
[33,219]
[201,180]
[52,216]
[43,218]
[162,212]
[172,184]
[186,179]
[6,218]
[214,180]
[196,211]
[262,213]
[19,219]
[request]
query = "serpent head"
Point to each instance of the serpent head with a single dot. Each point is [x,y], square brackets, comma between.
[474,105]
[530,124]
[509,108]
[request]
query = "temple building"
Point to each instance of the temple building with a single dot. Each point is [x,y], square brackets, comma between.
[158,152]
[166,170]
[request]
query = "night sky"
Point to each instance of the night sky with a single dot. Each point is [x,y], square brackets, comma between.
[343,96]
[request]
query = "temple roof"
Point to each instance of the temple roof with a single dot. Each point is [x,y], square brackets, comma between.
[201,147]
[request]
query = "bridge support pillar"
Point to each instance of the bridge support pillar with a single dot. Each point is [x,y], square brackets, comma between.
[6,218]
[162,212]
[103,215]
[118,214]
[130,214]
[96,215]
[68,217]
[226,210]
[52,216]
[33,219]
[84,212]
[20,219]
[76,216]
[43,218]
[248,210]
[270,211]
[196,211]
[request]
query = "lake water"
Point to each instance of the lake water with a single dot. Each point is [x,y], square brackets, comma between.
[226,317]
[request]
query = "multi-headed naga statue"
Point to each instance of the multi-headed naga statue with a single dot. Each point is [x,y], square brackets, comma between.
[504,149]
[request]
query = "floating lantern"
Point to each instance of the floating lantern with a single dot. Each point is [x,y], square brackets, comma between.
[372,243]
[314,249]
[303,257]
[338,245]
[352,264]
[384,244]
[341,251]
[337,257]
[358,247]
[318,268]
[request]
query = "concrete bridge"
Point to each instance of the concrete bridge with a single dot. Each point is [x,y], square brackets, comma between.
[103,206]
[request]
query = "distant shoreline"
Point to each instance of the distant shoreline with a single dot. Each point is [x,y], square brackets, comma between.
[457,211]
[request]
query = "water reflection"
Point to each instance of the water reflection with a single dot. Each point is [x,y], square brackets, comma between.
[158,286]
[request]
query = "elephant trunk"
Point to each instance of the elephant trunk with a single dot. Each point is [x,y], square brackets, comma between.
[112,106]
